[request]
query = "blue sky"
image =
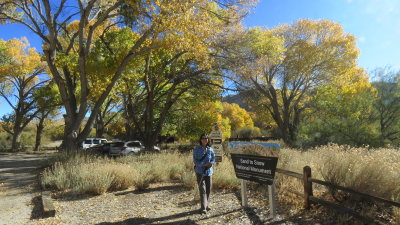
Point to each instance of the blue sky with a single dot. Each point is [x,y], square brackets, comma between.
[375,23]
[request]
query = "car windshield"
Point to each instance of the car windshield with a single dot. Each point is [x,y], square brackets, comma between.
[117,144]
[134,144]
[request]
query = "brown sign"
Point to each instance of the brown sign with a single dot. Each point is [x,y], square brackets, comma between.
[260,169]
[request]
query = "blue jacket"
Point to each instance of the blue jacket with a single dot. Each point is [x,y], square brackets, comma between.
[198,154]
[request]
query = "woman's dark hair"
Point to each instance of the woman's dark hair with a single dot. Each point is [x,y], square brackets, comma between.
[204,135]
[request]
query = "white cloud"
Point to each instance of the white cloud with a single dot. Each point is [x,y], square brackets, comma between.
[381,7]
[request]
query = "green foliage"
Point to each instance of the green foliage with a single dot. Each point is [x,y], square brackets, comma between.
[247,132]
[387,105]
[54,130]
[201,118]
[341,113]
[320,131]
[284,65]
[5,141]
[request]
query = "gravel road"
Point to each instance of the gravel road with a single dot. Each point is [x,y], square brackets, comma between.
[18,174]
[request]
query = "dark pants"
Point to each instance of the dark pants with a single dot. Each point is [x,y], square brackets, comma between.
[204,189]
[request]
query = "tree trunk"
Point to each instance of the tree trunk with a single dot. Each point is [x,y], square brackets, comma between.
[39,132]
[99,128]
[148,135]
[71,141]
[16,140]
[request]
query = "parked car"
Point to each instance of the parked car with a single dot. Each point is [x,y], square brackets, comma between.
[128,148]
[90,142]
[102,148]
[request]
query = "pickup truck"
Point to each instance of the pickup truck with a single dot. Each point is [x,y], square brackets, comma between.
[90,142]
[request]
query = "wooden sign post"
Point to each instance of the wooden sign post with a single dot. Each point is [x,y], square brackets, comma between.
[216,143]
[260,169]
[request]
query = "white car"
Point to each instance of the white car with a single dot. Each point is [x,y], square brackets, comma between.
[90,142]
[128,148]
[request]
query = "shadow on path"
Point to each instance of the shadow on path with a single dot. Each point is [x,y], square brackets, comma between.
[159,220]
[19,170]
[141,220]
[173,189]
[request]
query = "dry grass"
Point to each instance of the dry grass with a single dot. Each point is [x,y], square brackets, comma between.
[87,174]
[224,176]
[372,171]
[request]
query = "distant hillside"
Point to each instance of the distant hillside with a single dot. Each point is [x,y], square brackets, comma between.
[237,99]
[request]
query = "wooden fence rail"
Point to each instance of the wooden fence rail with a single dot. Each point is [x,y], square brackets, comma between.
[308,194]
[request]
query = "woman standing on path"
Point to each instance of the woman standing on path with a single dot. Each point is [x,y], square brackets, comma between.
[204,159]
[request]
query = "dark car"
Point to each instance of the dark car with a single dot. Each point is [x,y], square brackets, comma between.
[102,148]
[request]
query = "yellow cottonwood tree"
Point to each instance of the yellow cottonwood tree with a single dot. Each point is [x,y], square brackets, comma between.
[200,118]
[341,111]
[238,117]
[188,26]
[285,64]
[19,77]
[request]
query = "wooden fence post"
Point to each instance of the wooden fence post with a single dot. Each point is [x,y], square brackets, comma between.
[307,186]
[272,200]
[244,192]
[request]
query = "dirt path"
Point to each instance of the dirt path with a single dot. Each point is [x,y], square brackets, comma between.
[165,203]
[18,173]
[162,203]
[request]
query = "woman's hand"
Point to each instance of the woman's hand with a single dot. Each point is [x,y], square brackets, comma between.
[208,165]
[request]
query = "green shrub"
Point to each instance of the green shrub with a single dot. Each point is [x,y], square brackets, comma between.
[247,132]
[5,141]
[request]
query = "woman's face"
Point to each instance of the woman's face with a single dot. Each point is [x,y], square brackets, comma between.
[204,140]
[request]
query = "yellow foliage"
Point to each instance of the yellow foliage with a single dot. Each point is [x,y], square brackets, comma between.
[20,60]
[350,93]
[238,117]
[190,26]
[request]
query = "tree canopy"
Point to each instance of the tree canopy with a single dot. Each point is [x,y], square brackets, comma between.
[69,30]
[20,76]
[286,64]
[160,67]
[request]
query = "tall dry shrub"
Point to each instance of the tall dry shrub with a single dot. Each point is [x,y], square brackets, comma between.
[90,179]
[372,171]
[224,176]
[123,175]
